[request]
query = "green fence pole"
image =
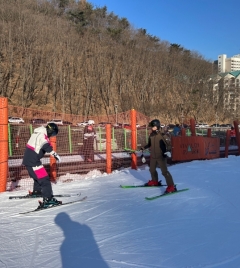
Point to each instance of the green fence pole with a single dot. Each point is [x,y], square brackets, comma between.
[9,140]
[125,138]
[70,139]
[31,129]
[100,138]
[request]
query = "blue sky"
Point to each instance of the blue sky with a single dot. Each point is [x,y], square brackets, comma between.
[210,27]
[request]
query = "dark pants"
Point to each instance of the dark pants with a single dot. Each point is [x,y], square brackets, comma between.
[88,149]
[233,141]
[41,180]
[162,163]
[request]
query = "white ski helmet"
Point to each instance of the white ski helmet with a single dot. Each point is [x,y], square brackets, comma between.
[91,122]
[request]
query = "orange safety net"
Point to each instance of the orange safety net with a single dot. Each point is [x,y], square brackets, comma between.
[41,116]
[81,149]
[81,154]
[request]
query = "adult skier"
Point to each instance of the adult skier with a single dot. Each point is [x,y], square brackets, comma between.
[36,147]
[89,135]
[158,156]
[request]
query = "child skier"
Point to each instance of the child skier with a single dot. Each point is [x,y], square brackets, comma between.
[158,157]
[36,148]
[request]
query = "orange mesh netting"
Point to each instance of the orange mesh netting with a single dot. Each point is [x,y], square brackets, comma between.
[81,150]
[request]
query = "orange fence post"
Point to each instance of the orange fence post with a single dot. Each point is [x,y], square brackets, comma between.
[53,161]
[134,137]
[209,133]
[227,143]
[183,132]
[237,134]
[3,143]
[108,149]
[192,127]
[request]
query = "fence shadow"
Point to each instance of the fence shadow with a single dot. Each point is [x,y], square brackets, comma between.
[79,248]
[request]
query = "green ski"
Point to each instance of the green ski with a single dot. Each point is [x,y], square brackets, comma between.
[138,186]
[162,195]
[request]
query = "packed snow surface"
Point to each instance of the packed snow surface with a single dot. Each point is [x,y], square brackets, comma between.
[118,228]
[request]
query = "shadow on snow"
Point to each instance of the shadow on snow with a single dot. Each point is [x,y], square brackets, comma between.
[79,248]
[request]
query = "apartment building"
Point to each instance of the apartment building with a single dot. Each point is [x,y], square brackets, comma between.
[228,64]
[226,91]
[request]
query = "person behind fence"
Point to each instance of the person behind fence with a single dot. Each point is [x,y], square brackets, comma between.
[159,151]
[232,136]
[36,147]
[89,135]
[165,130]
[176,130]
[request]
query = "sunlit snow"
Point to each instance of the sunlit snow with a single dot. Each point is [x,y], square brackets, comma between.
[118,228]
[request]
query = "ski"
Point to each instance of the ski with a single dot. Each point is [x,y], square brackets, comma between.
[143,185]
[162,195]
[138,186]
[128,150]
[63,204]
[39,196]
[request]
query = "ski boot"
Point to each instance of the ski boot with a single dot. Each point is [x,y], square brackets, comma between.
[49,202]
[152,183]
[170,189]
[34,194]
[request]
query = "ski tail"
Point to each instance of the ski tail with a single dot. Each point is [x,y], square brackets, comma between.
[56,206]
[40,196]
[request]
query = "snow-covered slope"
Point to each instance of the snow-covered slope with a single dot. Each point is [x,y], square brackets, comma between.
[118,228]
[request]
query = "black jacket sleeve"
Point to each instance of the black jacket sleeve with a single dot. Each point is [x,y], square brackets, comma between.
[163,148]
[148,145]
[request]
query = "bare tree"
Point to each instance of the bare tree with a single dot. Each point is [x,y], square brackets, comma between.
[70,57]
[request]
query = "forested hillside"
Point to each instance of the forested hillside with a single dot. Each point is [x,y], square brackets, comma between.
[74,57]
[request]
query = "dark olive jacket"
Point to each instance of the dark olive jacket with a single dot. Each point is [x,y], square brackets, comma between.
[157,145]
